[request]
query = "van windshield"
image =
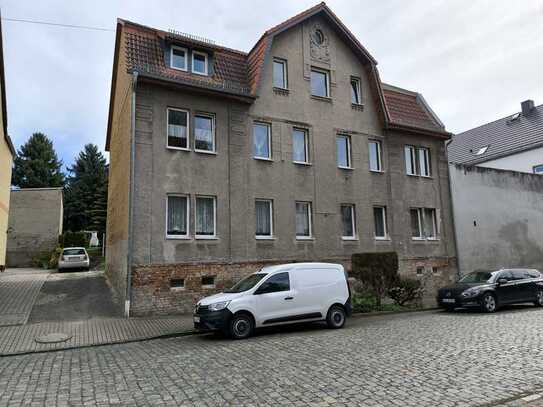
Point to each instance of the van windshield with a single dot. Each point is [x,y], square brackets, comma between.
[247,283]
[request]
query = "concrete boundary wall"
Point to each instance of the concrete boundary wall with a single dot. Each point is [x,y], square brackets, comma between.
[498,218]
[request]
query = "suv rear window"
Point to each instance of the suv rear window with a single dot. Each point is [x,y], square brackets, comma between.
[73,252]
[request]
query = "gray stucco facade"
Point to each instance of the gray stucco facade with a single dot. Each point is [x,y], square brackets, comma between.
[236,179]
[35,223]
[498,217]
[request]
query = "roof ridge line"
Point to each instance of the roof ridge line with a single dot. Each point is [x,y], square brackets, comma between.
[494,121]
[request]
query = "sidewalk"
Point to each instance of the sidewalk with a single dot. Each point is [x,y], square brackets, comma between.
[22,339]
[18,292]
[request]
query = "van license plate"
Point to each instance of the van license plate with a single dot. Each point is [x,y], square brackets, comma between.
[448,300]
[197,320]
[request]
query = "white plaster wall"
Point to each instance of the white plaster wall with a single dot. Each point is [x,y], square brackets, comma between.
[522,162]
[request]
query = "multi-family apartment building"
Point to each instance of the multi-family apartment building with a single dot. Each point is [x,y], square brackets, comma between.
[223,161]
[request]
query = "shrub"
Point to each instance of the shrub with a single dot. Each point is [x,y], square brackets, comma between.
[406,290]
[365,302]
[47,260]
[74,239]
[377,271]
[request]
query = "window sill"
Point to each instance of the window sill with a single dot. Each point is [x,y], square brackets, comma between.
[175,237]
[383,239]
[305,238]
[200,237]
[208,287]
[200,73]
[178,148]
[263,159]
[377,171]
[349,238]
[179,69]
[205,152]
[322,98]
[302,163]
[177,288]
[281,91]
[357,106]
[345,168]
[265,238]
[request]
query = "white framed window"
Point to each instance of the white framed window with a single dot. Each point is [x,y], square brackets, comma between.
[177,216]
[300,146]
[199,63]
[204,132]
[178,58]
[343,147]
[380,221]
[206,217]
[417,161]
[280,78]
[303,220]
[424,161]
[320,83]
[538,169]
[374,147]
[264,218]
[177,129]
[262,141]
[348,221]
[410,160]
[424,224]
[356,98]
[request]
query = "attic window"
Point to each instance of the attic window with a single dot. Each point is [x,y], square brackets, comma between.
[178,58]
[482,150]
[199,63]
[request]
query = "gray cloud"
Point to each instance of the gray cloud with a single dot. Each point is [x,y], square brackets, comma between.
[474,61]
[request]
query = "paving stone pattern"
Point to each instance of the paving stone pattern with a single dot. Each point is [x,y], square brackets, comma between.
[18,292]
[418,359]
[21,339]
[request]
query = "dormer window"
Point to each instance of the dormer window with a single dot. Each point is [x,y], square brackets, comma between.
[178,58]
[199,63]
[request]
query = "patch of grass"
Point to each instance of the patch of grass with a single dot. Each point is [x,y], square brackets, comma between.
[368,302]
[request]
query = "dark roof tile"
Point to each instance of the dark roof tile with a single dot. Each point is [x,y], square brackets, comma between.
[503,137]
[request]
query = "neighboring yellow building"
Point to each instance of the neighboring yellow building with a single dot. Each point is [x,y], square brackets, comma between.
[7,152]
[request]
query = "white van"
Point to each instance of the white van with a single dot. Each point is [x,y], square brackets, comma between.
[282,294]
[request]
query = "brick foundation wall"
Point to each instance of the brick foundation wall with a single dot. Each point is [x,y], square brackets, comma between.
[152,293]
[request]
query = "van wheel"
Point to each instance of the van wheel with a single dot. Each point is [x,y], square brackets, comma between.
[241,326]
[335,317]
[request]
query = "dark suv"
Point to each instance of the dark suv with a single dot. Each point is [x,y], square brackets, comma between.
[489,290]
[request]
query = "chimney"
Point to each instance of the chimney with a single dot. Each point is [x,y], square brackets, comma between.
[527,107]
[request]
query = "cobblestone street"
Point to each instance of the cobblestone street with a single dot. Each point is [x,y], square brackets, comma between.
[417,359]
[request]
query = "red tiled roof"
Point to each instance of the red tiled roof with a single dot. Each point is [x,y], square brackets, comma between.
[145,53]
[408,109]
[239,73]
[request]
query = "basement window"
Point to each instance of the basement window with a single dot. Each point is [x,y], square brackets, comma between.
[420,271]
[177,284]
[208,281]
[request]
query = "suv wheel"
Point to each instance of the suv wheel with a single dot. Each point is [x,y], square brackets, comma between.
[335,317]
[241,326]
[539,299]
[488,303]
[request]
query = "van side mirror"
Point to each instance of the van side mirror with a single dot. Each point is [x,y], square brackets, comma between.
[502,280]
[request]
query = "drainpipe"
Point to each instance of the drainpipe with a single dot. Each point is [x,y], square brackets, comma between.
[129,256]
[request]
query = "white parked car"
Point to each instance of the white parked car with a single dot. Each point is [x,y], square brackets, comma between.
[282,294]
[73,258]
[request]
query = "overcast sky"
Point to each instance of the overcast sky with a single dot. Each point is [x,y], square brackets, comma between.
[474,60]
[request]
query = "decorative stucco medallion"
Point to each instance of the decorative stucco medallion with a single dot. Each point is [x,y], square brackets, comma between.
[319,44]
